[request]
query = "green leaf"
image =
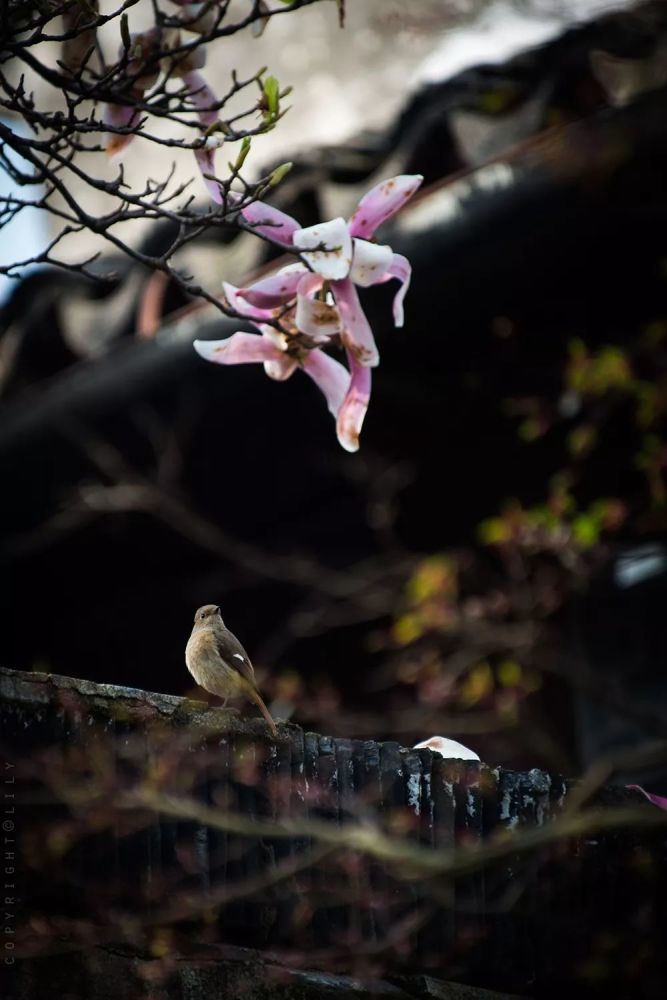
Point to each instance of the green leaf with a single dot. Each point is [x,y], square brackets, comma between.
[494,531]
[478,684]
[586,530]
[510,673]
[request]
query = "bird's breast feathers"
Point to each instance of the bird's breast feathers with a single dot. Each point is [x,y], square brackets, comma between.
[220,674]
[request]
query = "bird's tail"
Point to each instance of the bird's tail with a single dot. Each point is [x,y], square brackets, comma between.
[257,698]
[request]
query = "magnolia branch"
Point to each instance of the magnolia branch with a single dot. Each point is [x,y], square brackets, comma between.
[156,76]
[369,839]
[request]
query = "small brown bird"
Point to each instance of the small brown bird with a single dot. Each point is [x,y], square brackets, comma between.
[219,663]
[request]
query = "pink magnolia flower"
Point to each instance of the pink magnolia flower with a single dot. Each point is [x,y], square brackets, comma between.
[315,320]
[288,295]
[307,325]
[341,254]
[281,359]
[315,302]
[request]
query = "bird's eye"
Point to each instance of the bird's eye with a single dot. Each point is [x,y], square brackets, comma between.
[203,615]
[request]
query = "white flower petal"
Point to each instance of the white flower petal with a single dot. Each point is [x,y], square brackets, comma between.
[450,749]
[369,263]
[274,336]
[334,260]
[280,370]
[317,319]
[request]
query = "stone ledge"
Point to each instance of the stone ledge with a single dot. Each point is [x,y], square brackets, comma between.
[243,974]
[130,704]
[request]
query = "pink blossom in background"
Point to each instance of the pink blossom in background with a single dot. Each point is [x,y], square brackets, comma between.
[142,78]
[120,116]
[658,800]
[203,99]
[186,66]
[202,17]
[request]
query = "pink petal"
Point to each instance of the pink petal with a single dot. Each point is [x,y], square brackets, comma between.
[399,268]
[206,162]
[277,289]
[357,334]
[119,116]
[330,376]
[239,349]
[334,260]
[239,304]
[381,202]
[658,800]
[270,222]
[275,337]
[352,412]
[310,283]
[203,97]
[370,263]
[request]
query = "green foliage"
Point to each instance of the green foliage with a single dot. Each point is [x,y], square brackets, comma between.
[597,372]
[557,526]
[429,597]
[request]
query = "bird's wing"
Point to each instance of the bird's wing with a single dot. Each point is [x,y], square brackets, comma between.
[234,655]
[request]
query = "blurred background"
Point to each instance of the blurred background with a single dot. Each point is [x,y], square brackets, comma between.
[491,565]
